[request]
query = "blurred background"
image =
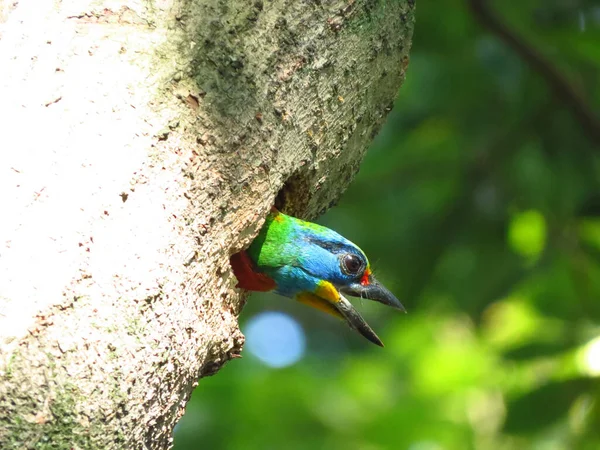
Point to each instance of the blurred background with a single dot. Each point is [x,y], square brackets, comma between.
[479,206]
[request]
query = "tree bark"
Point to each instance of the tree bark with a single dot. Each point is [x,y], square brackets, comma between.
[143,143]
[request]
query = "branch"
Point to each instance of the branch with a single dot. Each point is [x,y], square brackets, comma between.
[559,84]
[176,128]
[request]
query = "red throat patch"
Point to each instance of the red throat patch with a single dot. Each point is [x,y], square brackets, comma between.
[248,277]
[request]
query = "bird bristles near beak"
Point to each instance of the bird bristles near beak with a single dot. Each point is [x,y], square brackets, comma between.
[371,289]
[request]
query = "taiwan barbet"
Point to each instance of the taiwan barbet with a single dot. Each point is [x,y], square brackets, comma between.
[311,264]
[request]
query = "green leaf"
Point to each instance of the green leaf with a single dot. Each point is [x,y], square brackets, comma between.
[527,234]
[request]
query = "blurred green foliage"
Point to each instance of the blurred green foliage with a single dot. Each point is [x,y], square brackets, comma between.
[479,206]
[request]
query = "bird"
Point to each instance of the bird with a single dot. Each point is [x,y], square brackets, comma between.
[313,265]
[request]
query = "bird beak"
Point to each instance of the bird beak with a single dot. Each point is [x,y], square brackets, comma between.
[355,321]
[371,289]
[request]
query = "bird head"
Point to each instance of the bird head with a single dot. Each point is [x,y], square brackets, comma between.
[316,266]
[334,266]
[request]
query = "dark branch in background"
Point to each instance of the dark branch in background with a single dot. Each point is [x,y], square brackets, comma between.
[448,228]
[561,86]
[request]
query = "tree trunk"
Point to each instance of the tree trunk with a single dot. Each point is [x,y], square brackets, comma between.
[143,143]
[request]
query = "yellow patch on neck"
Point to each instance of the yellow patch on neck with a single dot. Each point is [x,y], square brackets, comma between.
[313,301]
[327,291]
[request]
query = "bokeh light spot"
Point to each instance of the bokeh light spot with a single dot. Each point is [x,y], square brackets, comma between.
[589,359]
[275,338]
[527,234]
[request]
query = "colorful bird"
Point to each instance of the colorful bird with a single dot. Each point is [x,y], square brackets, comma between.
[314,265]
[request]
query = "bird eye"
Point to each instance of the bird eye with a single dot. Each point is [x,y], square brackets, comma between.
[351,264]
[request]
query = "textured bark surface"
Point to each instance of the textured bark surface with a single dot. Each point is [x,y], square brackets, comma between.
[143,143]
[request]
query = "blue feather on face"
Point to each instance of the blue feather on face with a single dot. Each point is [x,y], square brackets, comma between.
[323,255]
[318,251]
